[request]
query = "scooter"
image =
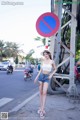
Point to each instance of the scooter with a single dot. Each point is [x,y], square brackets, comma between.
[27,74]
[77,72]
[9,70]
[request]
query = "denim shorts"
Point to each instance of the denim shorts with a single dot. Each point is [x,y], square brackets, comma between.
[44,78]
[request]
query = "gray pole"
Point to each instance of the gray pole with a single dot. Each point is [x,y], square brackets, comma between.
[72,86]
[52,43]
[57,9]
[55,44]
[59,32]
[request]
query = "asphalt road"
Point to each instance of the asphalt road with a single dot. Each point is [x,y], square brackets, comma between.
[14,87]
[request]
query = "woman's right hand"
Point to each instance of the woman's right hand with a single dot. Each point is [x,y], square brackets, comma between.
[35,80]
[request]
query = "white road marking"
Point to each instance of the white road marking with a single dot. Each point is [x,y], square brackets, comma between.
[15,109]
[4,101]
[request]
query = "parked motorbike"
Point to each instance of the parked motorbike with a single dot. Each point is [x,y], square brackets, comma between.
[77,72]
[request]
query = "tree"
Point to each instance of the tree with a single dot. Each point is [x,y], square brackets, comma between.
[9,49]
[1,49]
[16,60]
[78,46]
[41,39]
[69,6]
[29,55]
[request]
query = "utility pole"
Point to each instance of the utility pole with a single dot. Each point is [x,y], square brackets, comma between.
[56,43]
[72,85]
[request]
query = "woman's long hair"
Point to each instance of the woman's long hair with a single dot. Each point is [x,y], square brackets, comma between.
[46,51]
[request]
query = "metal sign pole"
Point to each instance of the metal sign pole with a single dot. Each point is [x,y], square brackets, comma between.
[56,42]
[59,32]
[72,85]
[52,43]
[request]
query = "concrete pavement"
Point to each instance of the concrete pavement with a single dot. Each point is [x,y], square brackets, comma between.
[58,107]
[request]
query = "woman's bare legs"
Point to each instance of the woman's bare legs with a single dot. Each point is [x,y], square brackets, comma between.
[41,93]
[45,88]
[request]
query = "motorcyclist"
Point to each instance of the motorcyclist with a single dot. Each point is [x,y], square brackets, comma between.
[29,69]
[10,67]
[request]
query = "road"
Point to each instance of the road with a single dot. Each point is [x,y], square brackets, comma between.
[14,90]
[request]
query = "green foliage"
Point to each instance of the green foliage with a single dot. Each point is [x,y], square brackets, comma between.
[41,39]
[78,46]
[16,60]
[29,55]
[1,49]
[66,32]
[8,49]
[32,60]
[66,1]
[11,49]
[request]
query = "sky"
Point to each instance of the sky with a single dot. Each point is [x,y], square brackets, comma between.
[17,22]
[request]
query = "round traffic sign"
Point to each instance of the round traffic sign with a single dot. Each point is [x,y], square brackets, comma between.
[47,24]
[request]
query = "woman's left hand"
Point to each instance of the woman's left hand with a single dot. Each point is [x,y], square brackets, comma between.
[50,76]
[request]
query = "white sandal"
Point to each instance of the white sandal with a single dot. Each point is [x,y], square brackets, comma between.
[41,115]
[39,111]
[44,112]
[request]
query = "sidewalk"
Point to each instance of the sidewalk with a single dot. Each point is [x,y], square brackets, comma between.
[58,107]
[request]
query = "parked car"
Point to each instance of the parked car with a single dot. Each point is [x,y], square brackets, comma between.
[4,65]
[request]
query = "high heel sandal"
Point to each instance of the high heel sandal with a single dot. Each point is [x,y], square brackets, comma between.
[39,111]
[41,115]
[44,112]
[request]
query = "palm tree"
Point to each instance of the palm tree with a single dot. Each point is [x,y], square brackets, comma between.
[41,39]
[30,53]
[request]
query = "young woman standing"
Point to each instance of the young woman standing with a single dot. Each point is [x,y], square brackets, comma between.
[43,77]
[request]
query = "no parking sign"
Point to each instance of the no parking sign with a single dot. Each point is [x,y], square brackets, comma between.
[47,24]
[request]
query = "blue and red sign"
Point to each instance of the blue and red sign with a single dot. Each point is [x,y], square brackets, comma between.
[47,24]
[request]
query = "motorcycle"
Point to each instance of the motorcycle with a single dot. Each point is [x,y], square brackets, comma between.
[9,70]
[77,72]
[28,73]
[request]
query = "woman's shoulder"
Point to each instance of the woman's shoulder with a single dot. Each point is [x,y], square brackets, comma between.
[52,62]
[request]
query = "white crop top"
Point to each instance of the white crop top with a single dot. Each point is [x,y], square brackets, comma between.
[46,67]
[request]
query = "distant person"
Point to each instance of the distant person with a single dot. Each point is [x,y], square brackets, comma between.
[30,69]
[78,66]
[38,67]
[43,77]
[10,67]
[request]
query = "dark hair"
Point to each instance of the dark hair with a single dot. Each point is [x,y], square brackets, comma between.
[46,51]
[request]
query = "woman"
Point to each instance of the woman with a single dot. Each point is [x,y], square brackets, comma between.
[43,77]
